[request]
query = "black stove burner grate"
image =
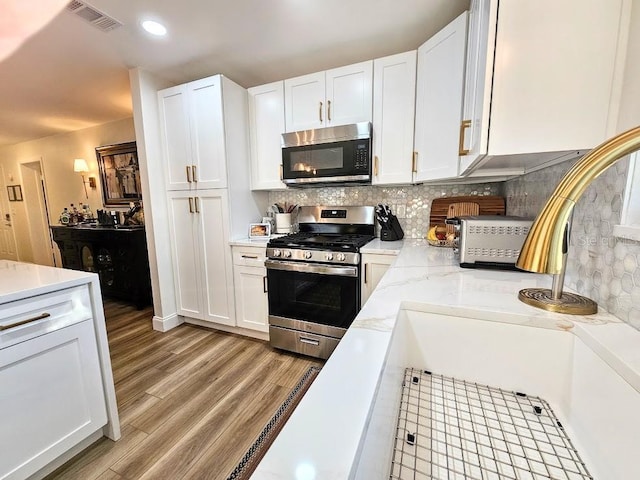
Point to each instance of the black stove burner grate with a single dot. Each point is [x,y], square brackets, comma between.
[321,240]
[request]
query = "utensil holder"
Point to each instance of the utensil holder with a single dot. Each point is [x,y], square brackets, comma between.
[283,223]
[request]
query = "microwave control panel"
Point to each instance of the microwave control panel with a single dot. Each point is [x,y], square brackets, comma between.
[362,156]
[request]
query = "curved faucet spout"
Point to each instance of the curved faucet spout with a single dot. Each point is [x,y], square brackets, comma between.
[542,251]
[545,248]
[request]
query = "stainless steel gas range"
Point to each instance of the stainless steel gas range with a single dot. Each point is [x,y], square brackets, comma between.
[314,278]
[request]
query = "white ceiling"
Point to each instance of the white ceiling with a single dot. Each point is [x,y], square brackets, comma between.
[71,75]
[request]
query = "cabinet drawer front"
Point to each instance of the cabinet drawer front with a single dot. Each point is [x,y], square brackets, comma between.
[31,317]
[249,256]
[52,398]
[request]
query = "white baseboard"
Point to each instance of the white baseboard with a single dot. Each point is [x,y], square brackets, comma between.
[245,332]
[164,324]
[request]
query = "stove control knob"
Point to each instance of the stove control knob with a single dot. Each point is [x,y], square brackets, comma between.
[277,253]
[286,254]
[341,257]
[329,256]
[307,255]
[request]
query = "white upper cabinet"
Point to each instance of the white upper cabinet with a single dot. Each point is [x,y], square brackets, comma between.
[193,137]
[551,86]
[439,97]
[266,124]
[394,94]
[335,97]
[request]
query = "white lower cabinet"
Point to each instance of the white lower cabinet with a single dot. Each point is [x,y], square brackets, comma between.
[374,266]
[201,255]
[250,285]
[51,398]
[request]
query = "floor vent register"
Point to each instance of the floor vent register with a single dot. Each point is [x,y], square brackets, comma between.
[453,429]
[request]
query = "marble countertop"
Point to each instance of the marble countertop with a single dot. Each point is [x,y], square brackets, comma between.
[321,440]
[20,280]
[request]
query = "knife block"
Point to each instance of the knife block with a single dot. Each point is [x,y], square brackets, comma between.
[391,230]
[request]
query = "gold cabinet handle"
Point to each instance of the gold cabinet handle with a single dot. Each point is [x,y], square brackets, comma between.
[281,172]
[414,163]
[375,166]
[188,173]
[252,257]
[195,177]
[265,289]
[22,322]
[329,110]
[196,200]
[366,267]
[320,112]
[190,204]
[463,127]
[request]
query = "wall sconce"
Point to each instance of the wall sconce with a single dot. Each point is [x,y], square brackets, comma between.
[80,165]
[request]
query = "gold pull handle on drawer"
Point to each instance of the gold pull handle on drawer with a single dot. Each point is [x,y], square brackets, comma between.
[22,322]
[190,204]
[195,177]
[375,166]
[188,168]
[463,127]
[252,257]
[329,110]
[196,200]
[320,112]
[414,163]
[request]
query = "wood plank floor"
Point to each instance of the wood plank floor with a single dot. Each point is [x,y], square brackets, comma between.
[191,400]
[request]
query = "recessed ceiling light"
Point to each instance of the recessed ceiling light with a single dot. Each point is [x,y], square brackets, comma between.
[154,28]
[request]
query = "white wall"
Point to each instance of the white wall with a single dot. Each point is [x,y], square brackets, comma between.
[144,94]
[64,186]
[629,115]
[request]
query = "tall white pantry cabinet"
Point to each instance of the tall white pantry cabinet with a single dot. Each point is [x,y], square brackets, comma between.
[205,146]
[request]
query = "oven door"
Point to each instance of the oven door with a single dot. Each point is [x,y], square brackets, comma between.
[313,297]
[346,161]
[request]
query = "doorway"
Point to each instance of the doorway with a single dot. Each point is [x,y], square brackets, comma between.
[37,212]
[8,249]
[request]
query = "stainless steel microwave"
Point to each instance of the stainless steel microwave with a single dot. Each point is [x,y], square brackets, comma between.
[327,155]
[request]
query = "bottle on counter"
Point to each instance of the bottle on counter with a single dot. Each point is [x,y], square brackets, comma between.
[65,217]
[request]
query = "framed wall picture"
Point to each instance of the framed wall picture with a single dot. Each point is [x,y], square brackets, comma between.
[259,231]
[119,173]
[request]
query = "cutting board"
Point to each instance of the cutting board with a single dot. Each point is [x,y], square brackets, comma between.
[489,205]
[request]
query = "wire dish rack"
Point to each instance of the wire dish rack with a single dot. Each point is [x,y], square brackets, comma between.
[453,429]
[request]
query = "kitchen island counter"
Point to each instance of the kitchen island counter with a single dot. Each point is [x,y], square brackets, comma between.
[324,436]
[54,366]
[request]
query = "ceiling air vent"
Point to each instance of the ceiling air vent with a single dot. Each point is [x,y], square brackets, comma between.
[94,16]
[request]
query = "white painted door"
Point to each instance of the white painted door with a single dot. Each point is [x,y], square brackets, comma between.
[304,99]
[207,133]
[52,398]
[176,140]
[374,267]
[394,94]
[439,94]
[252,307]
[216,268]
[183,225]
[349,94]
[35,205]
[266,125]
[7,238]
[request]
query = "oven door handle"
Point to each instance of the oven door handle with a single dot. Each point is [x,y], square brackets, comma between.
[321,269]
